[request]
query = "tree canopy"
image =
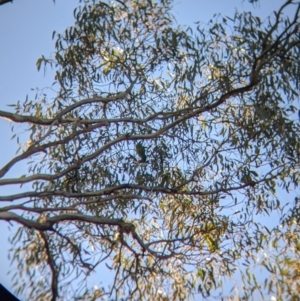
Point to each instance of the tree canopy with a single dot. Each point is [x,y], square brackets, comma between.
[158,156]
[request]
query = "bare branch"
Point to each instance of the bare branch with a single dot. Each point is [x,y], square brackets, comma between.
[48,223]
[52,265]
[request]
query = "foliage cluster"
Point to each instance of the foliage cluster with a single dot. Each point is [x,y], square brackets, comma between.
[161,151]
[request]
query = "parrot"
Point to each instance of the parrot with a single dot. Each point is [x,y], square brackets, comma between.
[140,150]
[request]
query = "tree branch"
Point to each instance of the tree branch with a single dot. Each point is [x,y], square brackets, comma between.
[51,263]
[48,223]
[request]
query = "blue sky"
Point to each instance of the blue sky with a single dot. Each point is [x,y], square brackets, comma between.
[25,33]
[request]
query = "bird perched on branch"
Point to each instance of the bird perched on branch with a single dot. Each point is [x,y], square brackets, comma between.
[140,150]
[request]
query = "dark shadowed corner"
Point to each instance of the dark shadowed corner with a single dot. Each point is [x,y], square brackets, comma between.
[5,295]
[4,1]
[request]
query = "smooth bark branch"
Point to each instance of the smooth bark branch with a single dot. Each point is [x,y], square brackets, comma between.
[32,150]
[78,203]
[96,99]
[35,149]
[110,190]
[36,177]
[43,121]
[23,118]
[48,223]
[52,265]
[160,182]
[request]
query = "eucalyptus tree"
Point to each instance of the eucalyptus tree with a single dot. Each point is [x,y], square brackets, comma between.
[157,156]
